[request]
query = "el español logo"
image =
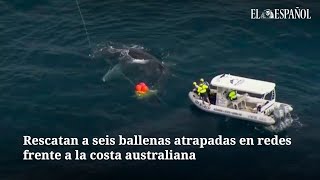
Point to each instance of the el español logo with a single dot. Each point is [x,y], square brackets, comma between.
[296,13]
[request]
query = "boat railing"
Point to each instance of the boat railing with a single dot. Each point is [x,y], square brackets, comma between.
[266,106]
[240,100]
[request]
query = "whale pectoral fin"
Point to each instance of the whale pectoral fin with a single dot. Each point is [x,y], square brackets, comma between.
[112,73]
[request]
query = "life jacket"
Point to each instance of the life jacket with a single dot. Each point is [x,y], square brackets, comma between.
[204,86]
[201,90]
[232,95]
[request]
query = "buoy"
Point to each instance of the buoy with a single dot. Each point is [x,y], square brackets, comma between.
[142,84]
[142,88]
[138,87]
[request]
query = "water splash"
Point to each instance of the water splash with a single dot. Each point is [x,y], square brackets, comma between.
[118,50]
[281,124]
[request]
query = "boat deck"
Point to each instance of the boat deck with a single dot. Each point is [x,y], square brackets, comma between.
[241,108]
[249,107]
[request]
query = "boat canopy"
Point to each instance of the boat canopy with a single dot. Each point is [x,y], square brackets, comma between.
[243,84]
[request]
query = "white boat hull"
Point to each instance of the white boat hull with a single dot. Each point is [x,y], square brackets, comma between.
[253,117]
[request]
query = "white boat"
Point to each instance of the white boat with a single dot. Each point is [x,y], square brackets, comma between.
[256,100]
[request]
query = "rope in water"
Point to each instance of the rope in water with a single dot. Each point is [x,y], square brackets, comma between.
[84,24]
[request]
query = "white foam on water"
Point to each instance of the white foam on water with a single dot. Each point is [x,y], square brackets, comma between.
[140,61]
[137,46]
[284,123]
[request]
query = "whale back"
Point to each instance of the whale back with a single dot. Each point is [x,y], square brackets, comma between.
[140,54]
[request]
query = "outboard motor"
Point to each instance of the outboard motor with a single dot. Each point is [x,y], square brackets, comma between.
[282,111]
[278,113]
[283,118]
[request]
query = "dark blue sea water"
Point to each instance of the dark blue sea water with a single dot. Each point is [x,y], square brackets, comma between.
[51,86]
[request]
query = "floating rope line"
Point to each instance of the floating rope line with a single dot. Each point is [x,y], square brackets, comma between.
[84,24]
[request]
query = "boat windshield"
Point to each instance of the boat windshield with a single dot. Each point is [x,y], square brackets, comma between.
[270,96]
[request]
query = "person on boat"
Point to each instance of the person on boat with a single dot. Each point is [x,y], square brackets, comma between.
[202,92]
[205,85]
[204,82]
[195,89]
[232,95]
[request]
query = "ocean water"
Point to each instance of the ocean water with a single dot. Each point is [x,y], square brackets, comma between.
[51,85]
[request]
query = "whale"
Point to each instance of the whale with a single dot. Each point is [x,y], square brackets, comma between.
[134,64]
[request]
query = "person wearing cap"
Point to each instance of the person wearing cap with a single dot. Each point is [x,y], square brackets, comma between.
[202,82]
